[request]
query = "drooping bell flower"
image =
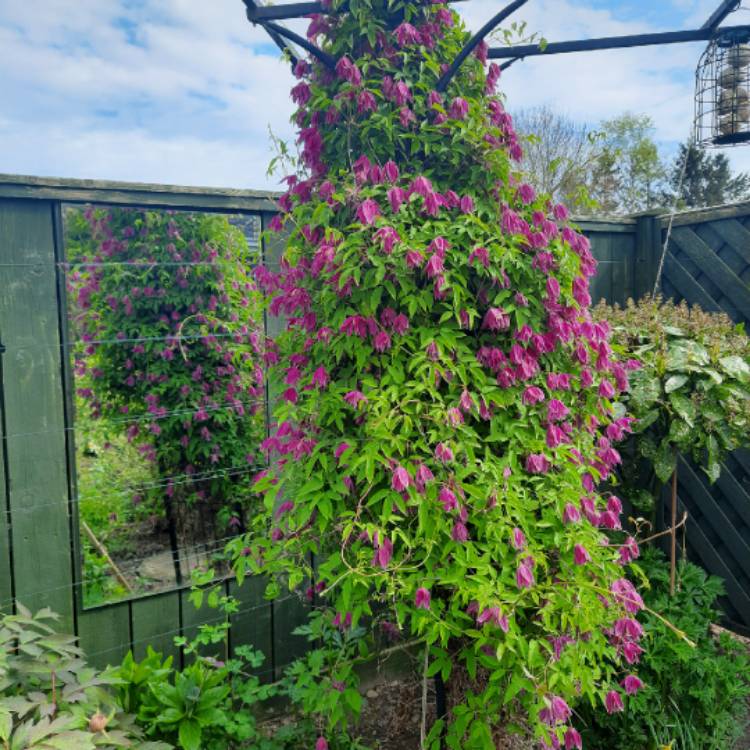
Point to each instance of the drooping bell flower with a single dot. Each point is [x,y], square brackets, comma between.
[524,575]
[571,514]
[537,463]
[321,744]
[459,532]
[480,254]
[573,739]
[581,555]
[631,684]
[381,342]
[557,411]
[443,453]
[517,539]
[354,398]
[625,593]
[496,319]
[458,109]
[448,499]
[400,479]
[320,378]
[532,395]
[423,477]
[368,211]
[613,702]
[422,598]
[406,34]
[466,204]
[383,553]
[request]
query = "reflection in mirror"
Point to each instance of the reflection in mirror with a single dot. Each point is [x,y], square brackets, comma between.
[165,339]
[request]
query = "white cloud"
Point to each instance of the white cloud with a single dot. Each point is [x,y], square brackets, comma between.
[183,91]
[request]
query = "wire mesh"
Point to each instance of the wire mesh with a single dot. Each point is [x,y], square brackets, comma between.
[722,91]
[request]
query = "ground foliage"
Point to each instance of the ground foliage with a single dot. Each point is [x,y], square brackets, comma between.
[447,412]
[692,698]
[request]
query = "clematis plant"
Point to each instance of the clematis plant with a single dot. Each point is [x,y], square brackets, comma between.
[438,325]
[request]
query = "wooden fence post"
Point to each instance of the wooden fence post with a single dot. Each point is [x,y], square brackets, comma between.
[648,249]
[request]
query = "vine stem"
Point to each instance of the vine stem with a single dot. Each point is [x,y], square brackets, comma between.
[679,633]
[423,727]
[673,537]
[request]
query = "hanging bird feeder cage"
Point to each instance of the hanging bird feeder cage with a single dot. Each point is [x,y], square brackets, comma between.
[722,91]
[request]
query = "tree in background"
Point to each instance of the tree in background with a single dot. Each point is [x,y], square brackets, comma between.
[708,179]
[563,157]
[630,173]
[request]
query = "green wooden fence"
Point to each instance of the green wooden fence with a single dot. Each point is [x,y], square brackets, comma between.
[39,546]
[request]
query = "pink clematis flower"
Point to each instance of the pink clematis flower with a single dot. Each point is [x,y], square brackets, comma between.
[354,398]
[518,540]
[368,211]
[458,109]
[631,684]
[400,479]
[581,555]
[422,599]
[573,739]
[613,702]
[443,453]
[571,514]
[524,575]
[496,319]
[537,463]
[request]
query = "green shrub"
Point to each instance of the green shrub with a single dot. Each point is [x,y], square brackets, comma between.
[691,394]
[50,699]
[693,698]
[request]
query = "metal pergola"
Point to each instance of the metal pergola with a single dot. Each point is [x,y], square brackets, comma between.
[268,17]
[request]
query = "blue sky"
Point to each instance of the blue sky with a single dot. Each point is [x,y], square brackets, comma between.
[185,91]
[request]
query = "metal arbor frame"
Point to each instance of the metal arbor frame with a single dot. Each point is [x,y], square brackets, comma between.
[267,17]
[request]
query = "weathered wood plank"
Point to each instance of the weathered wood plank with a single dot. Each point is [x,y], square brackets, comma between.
[735,494]
[687,286]
[703,215]
[6,557]
[734,234]
[716,564]
[104,633]
[156,622]
[701,254]
[648,249]
[33,395]
[713,514]
[136,194]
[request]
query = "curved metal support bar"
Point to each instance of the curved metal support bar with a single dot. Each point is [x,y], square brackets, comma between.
[327,60]
[498,18]
[250,8]
[507,64]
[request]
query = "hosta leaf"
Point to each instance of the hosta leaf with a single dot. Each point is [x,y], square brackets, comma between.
[674,382]
[684,407]
[665,461]
[735,366]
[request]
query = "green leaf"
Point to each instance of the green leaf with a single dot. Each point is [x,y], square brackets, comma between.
[6,724]
[665,461]
[190,735]
[675,382]
[735,366]
[684,407]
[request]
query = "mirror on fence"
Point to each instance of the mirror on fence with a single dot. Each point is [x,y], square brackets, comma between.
[165,336]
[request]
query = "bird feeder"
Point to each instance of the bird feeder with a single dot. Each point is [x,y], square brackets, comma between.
[722,91]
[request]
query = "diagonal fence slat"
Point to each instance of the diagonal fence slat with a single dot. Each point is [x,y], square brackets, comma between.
[708,264]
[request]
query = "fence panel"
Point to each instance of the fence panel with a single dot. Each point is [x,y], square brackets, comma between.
[708,264]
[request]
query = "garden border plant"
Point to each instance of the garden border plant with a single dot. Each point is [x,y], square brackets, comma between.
[447,407]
